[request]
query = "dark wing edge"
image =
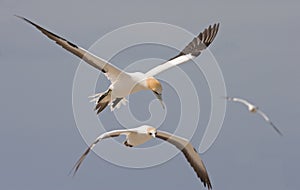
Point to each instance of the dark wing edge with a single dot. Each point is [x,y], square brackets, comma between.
[190,154]
[76,50]
[267,119]
[80,160]
[83,156]
[275,128]
[201,42]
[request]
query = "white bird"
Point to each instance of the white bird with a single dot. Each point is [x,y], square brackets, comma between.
[142,134]
[125,83]
[254,109]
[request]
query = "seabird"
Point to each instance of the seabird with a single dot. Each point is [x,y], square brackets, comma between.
[144,133]
[254,109]
[125,83]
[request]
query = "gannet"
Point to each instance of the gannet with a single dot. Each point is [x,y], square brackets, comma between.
[254,109]
[124,83]
[144,133]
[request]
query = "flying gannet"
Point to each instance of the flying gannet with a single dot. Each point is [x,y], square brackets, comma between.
[254,109]
[125,83]
[142,134]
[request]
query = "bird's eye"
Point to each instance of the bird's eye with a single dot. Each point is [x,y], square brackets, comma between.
[155,133]
[150,133]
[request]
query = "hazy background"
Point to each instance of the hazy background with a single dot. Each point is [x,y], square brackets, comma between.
[257,49]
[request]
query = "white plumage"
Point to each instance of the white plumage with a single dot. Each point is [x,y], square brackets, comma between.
[254,109]
[124,83]
[142,134]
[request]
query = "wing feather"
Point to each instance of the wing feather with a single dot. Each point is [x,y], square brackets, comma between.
[192,50]
[245,102]
[110,134]
[112,72]
[269,121]
[190,154]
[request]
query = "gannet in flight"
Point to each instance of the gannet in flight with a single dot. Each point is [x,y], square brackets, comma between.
[142,134]
[125,83]
[254,109]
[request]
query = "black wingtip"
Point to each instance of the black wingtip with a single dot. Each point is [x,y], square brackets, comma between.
[200,42]
[72,173]
[215,26]
[48,33]
[276,129]
[279,132]
[30,22]
[74,169]
[18,16]
[23,18]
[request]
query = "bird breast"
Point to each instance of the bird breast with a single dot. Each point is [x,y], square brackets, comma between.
[136,139]
[128,84]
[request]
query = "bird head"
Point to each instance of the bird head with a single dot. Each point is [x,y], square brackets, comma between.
[253,109]
[151,131]
[154,85]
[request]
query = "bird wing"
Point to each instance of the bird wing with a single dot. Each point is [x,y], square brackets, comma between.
[110,134]
[109,70]
[263,115]
[190,154]
[269,121]
[192,50]
[245,102]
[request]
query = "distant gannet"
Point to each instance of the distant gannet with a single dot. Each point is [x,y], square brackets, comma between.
[254,109]
[124,83]
[142,134]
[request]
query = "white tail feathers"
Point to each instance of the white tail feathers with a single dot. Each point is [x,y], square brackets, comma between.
[94,98]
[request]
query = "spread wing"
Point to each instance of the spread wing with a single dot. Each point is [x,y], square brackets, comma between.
[109,70]
[110,134]
[269,121]
[245,102]
[192,50]
[190,154]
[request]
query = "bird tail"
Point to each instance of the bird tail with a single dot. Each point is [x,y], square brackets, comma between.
[101,100]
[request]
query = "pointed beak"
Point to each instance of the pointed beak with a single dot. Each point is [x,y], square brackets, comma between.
[159,97]
[154,135]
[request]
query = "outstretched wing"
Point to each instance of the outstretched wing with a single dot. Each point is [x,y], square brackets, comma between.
[109,70]
[110,134]
[192,50]
[245,102]
[190,154]
[269,121]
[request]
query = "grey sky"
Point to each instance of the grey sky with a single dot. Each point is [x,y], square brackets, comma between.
[257,49]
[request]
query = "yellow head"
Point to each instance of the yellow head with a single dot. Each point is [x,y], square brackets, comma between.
[252,108]
[154,85]
[151,131]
